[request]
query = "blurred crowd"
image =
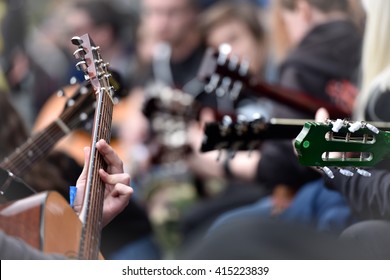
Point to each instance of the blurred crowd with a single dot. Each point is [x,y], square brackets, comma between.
[188,204]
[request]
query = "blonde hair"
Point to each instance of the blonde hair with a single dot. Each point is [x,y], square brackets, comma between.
[376,46]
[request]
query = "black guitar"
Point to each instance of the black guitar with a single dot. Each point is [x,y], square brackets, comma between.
[248,135]
[227,77]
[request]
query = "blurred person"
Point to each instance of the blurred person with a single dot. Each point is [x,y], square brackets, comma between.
[325,49]
[369,197]
[237,24]
[104,22]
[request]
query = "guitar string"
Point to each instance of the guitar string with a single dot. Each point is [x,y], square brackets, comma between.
[92,231]
[43,141]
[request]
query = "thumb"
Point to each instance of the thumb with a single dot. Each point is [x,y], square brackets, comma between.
[86,161]
[321,115]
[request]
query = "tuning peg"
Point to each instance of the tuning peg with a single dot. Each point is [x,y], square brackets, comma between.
[327,171]
[82,66]
[346,172]
[337,125]
[226,121]
[224,51]
[79,53]
[76,40]
[355,126]
[213,83]
[224,88]
[233,62]
[236,89]
[244,68]
[372,128]
[363,172]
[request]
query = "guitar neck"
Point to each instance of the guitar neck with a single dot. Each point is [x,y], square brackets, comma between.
[38,145]
[296,99]
[92,211]
[33,149]
[247,136]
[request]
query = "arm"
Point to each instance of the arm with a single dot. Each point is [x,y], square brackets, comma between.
[369,197]
[12,248]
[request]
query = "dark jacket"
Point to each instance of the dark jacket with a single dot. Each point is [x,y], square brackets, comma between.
[368,197]
[328,56]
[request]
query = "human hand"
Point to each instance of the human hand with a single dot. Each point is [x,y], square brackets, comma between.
[117,183]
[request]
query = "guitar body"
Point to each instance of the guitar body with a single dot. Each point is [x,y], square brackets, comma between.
[45,221]
[74,142]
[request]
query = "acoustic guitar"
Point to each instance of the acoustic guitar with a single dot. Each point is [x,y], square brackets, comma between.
[77,110]
[45,220]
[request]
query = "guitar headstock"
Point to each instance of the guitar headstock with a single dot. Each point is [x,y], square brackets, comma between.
[237,135]
[342,144]
[225,74]
[91,63]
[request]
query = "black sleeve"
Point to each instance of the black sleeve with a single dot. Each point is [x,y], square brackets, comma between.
[369,197]
[279,165]
[12,248]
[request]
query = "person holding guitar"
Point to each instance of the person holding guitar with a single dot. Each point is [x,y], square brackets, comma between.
[315,63]
[369,197]
[117,196]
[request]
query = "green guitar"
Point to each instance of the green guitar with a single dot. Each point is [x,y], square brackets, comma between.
[343,144]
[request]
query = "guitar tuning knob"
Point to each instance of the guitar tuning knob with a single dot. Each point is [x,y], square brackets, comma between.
[327,171]
[244,68]
[372,128]
[212,84]
[233,63]
[236,89]
[337,125]
[355,126]
[77,41]
[363,172]
[346,172]
[79,53]
[81,66]
[224,88]
[226,121]
[224,51]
